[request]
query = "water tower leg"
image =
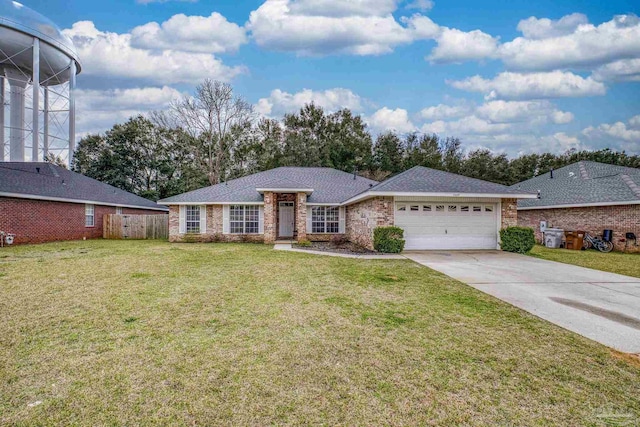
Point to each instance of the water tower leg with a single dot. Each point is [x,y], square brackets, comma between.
[45,119]
[35,81]
[72,110]
[2,141]
[17,85]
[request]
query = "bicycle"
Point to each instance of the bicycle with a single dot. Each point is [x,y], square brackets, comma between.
[597,243]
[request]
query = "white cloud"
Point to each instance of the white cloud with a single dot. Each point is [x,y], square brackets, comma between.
[522,111]
[341,8]
[471,125]
[107,54]
[387,119]
[422,5]
[634,122]
[555,84]
[206,34]
[618,130]
[98,110]
[534,28]
[443,111]
[163,1]
[279,102]
[623,70]
[309,27]
[457,46]
[586,47]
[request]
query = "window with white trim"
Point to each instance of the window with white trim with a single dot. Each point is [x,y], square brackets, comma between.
[325,219]
[402,208]
[118,210]
[89,216]
[192,219]
[488,208]
[244,219]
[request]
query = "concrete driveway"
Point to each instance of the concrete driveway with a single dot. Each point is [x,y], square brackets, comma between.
[602,306]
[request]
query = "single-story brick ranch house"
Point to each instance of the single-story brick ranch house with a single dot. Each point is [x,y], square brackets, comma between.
[586,196]
[436,209]
[41,202]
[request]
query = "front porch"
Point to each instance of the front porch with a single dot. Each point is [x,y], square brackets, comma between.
[285,216]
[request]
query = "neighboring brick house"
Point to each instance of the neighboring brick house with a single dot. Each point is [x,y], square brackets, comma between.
[41,202]
[437,210]
[585,196]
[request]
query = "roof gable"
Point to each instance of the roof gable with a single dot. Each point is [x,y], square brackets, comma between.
[420,179]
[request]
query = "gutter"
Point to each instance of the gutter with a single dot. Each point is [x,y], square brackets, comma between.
[580,205]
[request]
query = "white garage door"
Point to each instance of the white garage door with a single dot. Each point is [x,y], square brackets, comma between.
[448,225]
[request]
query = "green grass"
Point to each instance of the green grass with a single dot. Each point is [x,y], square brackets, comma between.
[150,333]
[614,262]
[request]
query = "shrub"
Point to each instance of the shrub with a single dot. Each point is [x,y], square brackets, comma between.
[517,239]
[304,243]
[388,240]
[338,239]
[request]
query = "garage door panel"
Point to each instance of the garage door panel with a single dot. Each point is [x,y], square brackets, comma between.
[459,226]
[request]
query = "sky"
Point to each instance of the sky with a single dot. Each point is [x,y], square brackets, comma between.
[512,76]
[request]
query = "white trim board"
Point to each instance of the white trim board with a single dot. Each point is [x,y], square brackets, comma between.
[580,205]
[64,200]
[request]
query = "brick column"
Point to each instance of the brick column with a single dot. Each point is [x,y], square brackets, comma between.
[509,214]
[301,216]
[269,217]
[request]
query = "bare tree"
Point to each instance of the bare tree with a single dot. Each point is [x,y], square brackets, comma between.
[214,115]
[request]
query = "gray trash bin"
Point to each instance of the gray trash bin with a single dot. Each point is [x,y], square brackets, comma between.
[553,237]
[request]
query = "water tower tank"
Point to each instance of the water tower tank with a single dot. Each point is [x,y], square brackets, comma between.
[38,68]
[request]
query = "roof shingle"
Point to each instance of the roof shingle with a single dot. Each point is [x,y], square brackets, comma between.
[583,182]
[49,181]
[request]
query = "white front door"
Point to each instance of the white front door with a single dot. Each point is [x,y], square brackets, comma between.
[286,219]
[448,225]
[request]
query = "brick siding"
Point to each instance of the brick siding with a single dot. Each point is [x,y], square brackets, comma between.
[509,213]
[364,217]
[620,219]
[214,228]
[40,221]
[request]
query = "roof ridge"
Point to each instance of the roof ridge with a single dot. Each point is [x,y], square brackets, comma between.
[632,185]
[583,170]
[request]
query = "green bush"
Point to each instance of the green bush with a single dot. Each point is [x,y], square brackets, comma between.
[517,239]
[388,240]
[304,243]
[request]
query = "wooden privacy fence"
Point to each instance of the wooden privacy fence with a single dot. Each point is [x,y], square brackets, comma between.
[135,226]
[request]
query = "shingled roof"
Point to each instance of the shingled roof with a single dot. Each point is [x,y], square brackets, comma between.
[329,186]
[425,180]
[45,181]
[583,183]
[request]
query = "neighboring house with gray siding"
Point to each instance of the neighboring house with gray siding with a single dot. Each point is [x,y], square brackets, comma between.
[437,210]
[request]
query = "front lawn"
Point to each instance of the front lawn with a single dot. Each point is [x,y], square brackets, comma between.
[614,262]
[150,333]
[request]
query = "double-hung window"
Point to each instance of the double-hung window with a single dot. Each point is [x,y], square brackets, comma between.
[325,219]
[192,219]
[244,219]
[89,216]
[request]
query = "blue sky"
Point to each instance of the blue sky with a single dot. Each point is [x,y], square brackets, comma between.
[515,77]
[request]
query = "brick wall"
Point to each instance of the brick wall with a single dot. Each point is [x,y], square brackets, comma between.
[620,219]
[39,221]
[214,228]
[301,216]
[509,213]
[364,217]
[270,217]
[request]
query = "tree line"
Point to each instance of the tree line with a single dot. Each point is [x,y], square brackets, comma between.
[215,136]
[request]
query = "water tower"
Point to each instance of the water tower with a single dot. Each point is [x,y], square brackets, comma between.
[38,68]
